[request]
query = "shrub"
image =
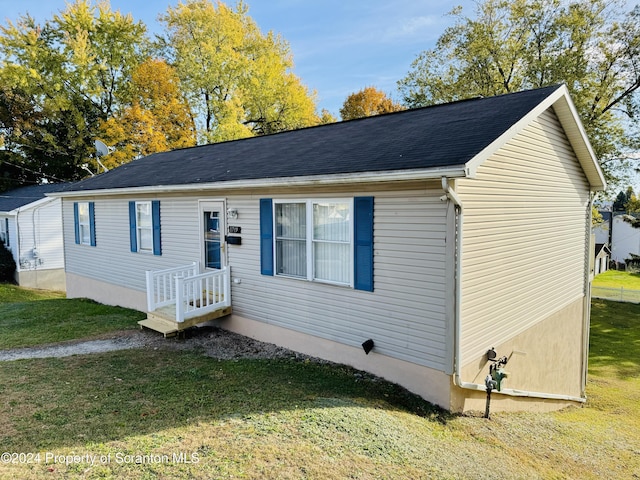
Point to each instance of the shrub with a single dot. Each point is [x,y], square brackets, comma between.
[7,264]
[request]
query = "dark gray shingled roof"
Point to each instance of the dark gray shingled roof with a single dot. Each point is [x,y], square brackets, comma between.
[25,195]
[446,135]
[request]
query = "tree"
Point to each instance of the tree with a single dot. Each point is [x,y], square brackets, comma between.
[157,117]
[68,74]
[633,205]
[237,80]
[326,117]
[366,103]
[590,45]
[621,203]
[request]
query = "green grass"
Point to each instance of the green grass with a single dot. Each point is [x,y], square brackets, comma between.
[34,317]
[14,294]
[617,279]
[300,419]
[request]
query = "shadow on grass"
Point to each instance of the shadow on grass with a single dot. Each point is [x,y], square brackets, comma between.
[615,337]
[75,401]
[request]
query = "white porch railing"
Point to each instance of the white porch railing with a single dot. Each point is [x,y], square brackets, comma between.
[192,293]
[161,285]
[201,294]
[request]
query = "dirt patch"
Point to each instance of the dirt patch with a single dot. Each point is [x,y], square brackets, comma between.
[213,341]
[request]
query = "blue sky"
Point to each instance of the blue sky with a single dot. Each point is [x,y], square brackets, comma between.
[339,46]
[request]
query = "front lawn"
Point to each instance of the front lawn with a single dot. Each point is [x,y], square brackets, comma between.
[156,413]
[36,317]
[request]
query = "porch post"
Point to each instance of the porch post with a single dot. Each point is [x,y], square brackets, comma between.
[150,292]
[227,286]
[179,299]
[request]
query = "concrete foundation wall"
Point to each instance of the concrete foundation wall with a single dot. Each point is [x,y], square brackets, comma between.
[107,293]
[547,358]
[43,279]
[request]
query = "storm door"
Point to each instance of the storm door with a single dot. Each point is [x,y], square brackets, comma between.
[212,237]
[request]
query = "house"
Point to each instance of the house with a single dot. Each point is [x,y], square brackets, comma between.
[602,258]
[405,244]
[625,239]
[31,228]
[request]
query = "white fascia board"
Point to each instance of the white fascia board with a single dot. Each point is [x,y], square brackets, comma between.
[561,101]
[314,180]
[35,204]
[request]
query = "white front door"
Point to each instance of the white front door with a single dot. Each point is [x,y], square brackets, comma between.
[212,228]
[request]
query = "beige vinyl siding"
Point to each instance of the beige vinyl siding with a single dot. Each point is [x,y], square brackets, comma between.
[524,236]
[111,260]
[405,315]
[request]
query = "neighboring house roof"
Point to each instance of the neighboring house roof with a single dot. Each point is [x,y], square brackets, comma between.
[20,197]
[602,248]
[449,139]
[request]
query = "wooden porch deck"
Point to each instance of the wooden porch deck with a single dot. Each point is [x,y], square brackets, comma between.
[164,321]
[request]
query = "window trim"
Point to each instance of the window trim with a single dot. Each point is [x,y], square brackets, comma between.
[91,223]
[140,228]
[134,229]
[310,241]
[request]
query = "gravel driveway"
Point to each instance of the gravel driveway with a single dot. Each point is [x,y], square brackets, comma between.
[214,341]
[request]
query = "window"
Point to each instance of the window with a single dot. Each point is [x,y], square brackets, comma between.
[144,227]
[5,233]
[84,223]
[320,240]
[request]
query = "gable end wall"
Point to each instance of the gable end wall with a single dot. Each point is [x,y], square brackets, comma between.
[525,238]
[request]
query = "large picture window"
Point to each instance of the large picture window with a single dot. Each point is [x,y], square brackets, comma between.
[324,240]
[313,240]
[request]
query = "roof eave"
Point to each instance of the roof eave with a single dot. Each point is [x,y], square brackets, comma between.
[313,180]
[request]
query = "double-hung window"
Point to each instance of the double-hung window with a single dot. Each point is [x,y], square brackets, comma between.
[318,240]
[84,223]
[144,227]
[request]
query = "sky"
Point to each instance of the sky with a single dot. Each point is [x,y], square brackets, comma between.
[339,46]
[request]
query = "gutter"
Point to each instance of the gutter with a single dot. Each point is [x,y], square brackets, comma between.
[452,196]
[311,180]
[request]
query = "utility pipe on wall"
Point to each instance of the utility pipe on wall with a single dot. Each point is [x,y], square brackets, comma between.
[452,196]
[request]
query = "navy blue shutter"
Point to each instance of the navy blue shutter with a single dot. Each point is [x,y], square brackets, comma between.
[76,222]
[133,236]
[363,243]
[92,223]
[155,218]
[266,236]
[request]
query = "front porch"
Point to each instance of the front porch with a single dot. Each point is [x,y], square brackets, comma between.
[181,297]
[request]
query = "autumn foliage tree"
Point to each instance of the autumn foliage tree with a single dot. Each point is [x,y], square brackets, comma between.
[238,81]
[593,46]
[156,117]
[65,76]
[367,102]
[85,74]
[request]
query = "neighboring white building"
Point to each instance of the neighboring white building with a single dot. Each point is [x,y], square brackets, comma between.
[31,228]
[424,237]
[625,239]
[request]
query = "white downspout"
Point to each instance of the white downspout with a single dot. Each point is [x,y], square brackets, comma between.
[457,380]
[587,300]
